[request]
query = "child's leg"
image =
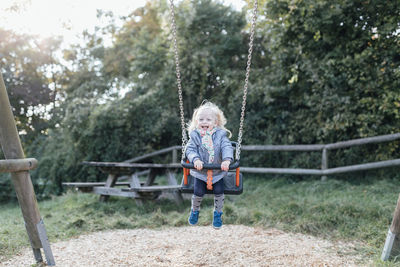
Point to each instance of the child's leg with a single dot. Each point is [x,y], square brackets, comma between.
[196,202]
[218,203]
[219,196]
[199,191]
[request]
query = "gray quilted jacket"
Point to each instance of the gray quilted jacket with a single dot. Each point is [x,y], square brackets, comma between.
[223,150]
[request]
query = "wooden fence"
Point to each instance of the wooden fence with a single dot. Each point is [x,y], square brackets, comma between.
[323,148]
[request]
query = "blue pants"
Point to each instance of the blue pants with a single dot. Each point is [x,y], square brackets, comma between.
[200,187]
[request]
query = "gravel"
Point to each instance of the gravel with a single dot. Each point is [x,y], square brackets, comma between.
[233,245]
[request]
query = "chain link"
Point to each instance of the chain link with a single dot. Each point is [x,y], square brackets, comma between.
[246,81]
[178,78]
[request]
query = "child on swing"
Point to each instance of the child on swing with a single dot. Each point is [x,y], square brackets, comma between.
[208,143]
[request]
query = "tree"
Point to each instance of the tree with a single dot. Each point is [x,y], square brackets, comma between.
[332,72]
[99,122]
[24,65]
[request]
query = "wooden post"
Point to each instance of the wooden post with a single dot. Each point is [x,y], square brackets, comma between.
[174,156]
[135,183]
[324,162]
[110,182]
[151,177]
[392,244]
[12,149]
[172,181]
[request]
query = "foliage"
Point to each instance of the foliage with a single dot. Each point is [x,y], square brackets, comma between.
[331,74]
[31,74]
[26,62]
[322,72]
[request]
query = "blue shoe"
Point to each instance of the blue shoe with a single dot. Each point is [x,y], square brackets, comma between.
[217,220]
[194,217]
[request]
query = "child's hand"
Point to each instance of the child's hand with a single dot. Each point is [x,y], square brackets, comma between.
[225,165]
[198,164]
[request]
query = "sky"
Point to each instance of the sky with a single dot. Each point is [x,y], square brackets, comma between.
[65,17]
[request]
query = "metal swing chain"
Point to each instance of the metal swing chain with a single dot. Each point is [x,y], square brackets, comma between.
[178,79]
[246,81]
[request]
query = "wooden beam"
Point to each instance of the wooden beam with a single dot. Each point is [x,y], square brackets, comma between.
[151,177]
[281,171]
[175,156]
[153,188]
[392,244]
[364,141]
[110,182]
[93,184]
[132,165]
[12,149]
[152,154]
[172,182]
[351,168]
[319,147]
[324,162]
[16,165]
[135,182]
[363,167]
[110,191]
[282,147]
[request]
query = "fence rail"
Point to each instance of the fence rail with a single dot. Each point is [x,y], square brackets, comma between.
[304,148]
[351,168]
[324,157]
[343,144]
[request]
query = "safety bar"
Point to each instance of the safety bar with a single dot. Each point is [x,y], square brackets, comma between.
[187,166]
[209,166]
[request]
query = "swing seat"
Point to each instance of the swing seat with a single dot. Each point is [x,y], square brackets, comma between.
[230,187]
[233,181]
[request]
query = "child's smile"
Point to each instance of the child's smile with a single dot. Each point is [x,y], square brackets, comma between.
[206,120]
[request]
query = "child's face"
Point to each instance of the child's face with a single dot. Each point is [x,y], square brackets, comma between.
[206,120]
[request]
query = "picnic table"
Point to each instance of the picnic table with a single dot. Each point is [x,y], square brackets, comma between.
[132,187]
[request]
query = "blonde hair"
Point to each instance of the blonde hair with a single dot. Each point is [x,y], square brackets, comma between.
[219,115]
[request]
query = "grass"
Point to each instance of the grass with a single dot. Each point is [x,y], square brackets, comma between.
[354,211]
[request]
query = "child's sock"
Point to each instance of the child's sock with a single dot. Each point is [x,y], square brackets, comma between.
[196,202]
[219,202]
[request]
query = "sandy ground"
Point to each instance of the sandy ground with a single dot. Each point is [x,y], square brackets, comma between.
[233,245]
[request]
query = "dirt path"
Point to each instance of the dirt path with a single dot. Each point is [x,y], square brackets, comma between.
[233,245]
